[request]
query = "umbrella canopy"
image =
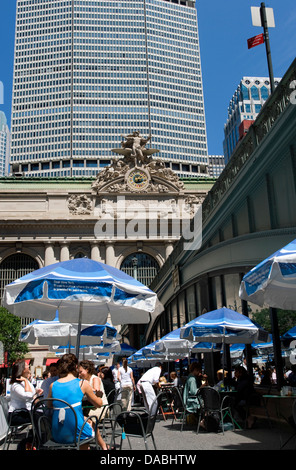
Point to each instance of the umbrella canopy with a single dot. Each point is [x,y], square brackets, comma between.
[205,347]
[163,355]
[99,289]
[125,350]
[172,343]
[273,281]
[222,325]
[95,334]
[84,291]
[85,349]
[60,334]
[48,332]
[290,334]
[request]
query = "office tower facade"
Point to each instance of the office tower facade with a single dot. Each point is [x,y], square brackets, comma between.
[216,165]
[87,72]
[4,145]
[244,107]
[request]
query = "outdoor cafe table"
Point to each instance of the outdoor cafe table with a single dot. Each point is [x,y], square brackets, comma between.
[279,400]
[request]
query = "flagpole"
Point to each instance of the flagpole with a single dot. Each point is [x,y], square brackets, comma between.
[267,45]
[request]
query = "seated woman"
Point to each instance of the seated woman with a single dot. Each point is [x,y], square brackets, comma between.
[192,385]
[245,393]
[108,382]
[22,393]
[174,380]
[87,371]
[70,389]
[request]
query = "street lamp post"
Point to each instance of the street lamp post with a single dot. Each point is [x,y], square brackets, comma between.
[135,267]
[267,45]
[263,17]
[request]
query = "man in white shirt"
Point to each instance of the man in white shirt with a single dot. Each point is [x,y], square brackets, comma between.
[147,381]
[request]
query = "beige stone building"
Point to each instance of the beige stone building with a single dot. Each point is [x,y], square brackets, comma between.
[129,217]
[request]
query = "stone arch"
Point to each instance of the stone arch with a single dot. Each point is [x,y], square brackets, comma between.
[25,250]
[128,251]
[140,265]
[15,266]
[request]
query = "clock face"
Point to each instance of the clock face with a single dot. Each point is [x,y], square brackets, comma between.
[138,179]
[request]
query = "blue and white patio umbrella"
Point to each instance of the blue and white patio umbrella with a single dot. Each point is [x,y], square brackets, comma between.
[95,334]
[172,343]
[126,350]
[221,326]
[60,334]
[102,289]
[84,291]
[48,332]
[205,347]
[84,349]
[290,334]
[163,355]
[146,355]
[273,281]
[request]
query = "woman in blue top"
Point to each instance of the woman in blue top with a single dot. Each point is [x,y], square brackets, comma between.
[71,389]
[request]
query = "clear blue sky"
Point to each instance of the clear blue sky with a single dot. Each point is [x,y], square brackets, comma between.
[224,28]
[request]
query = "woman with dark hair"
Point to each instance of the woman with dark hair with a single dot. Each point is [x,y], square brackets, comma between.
[192,385]
[87,371]
[108,382]
[71,389]
[22,393]
[127,383]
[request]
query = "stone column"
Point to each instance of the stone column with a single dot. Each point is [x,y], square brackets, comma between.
[95,251]
[64,251]
[49,253]
[110,258]
[168,249]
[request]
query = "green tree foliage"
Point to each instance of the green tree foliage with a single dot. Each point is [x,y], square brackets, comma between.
[286,319]
[10,327]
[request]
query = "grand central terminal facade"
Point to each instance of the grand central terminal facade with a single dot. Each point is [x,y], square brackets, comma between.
[129,217]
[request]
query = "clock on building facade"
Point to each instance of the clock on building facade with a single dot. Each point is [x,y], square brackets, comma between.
[137,179]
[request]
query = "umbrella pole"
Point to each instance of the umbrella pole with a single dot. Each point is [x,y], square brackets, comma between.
[276,347]
[79,329]
[69,341]
[248,349]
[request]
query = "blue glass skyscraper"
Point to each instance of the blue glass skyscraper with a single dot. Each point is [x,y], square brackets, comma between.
[88,71]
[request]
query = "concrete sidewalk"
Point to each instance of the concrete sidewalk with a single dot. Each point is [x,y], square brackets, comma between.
[169,438]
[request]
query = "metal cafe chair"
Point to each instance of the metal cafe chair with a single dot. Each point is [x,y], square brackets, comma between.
[13,431]
[212,405]
[131,424]
[42,412]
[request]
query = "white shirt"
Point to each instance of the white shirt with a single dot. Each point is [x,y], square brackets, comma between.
[125,376]
[152,375]
[115,373]
[19,398]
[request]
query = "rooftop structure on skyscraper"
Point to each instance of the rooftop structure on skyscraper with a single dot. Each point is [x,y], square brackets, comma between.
[244,107]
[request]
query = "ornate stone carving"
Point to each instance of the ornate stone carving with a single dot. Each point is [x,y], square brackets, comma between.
[137,171]
[79,204]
